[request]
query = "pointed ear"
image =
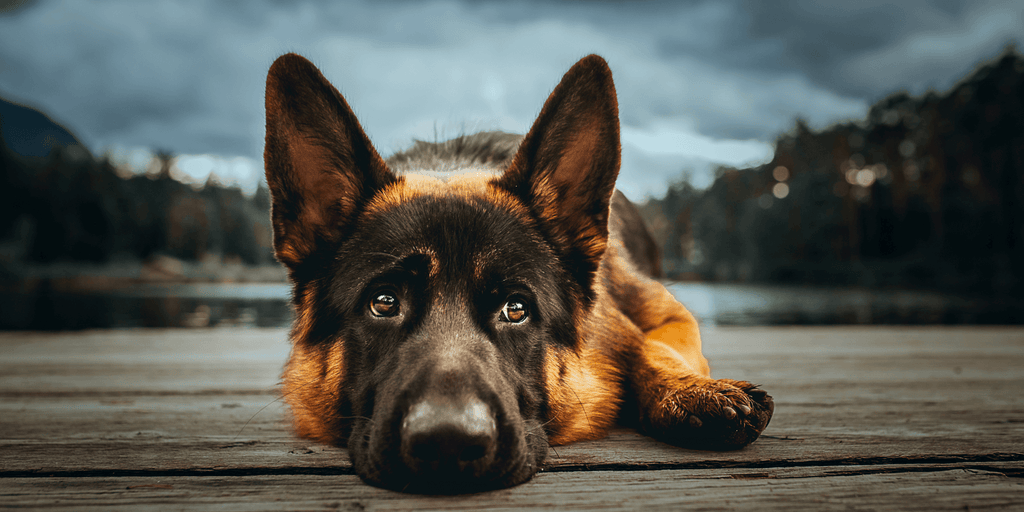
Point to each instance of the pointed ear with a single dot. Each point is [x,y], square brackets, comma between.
[566,166]
[320,165]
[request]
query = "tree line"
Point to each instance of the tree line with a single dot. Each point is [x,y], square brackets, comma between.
[924,192]
[71,206]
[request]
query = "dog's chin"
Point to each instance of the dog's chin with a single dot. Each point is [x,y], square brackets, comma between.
[383,467]
[428,484]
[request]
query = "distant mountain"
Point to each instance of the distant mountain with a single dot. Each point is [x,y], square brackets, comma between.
[30,133]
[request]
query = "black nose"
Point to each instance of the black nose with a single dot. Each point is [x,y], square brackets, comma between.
[448,434]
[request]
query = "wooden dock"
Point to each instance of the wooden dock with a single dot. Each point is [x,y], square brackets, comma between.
[870,418]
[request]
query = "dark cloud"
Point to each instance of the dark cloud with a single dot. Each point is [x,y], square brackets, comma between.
[145,74]
[10,7]
[188,77]
[870,48]
[136,77]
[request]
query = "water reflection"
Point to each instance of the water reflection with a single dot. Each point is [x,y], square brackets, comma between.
[46,307]
[732,304]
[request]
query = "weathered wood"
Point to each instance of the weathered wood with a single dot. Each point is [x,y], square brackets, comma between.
[251,359]
[141,361]
[248,359]
[838,488]
[862,415]
[157,433]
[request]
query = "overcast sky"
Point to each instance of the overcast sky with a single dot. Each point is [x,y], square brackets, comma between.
[698,82]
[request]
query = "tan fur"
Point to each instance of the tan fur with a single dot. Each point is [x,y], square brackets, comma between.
[311,390]
[583,401]
[630,345]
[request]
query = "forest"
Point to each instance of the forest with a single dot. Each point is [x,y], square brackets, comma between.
[71,206]
[925,192]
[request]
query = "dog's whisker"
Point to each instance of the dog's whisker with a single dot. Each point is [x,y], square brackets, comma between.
[282,397]
[386,255]
[278,399]
[353,418]
[584,409]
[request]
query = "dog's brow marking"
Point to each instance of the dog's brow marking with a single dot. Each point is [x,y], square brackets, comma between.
[435,268]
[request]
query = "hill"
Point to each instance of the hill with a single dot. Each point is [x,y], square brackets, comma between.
[30,133]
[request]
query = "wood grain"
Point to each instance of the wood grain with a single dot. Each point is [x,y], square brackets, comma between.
[927,489]
[872,418]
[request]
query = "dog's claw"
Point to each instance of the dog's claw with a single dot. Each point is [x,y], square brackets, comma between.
[757,393]
[719,415]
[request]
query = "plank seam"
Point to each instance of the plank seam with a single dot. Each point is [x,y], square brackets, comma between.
[137,393]
[902,464]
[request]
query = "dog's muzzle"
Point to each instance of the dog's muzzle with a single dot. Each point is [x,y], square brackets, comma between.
[449,421]
[454,435]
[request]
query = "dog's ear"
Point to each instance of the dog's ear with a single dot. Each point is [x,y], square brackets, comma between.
[566,166]
[320,165]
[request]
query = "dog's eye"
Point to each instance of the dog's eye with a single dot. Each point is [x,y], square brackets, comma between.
[514,311]
[384,304]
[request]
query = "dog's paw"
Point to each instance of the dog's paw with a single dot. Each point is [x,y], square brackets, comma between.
[711,414]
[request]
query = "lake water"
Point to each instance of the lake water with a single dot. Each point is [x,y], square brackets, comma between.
[734,304]
[267,305]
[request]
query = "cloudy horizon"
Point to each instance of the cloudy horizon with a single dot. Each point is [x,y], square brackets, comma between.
[699,83]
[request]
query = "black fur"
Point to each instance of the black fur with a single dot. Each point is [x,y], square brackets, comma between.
[452,264]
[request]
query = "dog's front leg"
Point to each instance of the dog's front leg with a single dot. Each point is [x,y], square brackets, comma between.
[680,403]
[677,399]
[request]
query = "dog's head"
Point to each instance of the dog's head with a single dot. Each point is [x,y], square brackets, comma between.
[426,305]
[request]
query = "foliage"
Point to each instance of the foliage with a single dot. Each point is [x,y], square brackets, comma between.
[925,192]
[70,206]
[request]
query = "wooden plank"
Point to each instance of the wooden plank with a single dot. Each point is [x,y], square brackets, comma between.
[163,433]
[251,359]
[177,400]
[872,418]
[142,361]
[793,489]
[247,359]
[153,433]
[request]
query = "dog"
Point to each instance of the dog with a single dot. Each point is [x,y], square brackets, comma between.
[463,305]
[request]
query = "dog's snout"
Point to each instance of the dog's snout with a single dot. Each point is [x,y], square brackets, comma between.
[450,432]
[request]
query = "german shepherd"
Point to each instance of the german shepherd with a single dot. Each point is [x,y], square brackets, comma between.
[464,304]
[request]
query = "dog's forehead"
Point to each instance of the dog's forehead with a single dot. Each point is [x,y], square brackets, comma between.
[465,182]
[447,214]
[474,183]
[469,180]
